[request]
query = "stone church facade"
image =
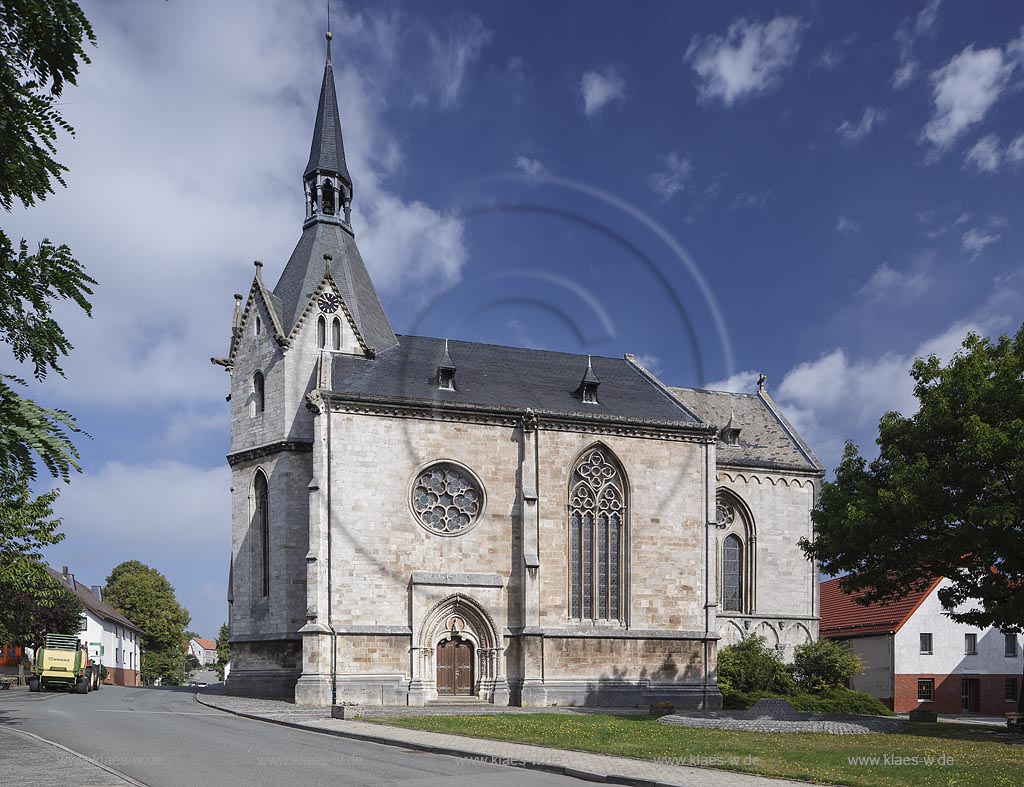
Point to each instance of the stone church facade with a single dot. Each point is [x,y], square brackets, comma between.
[414,518]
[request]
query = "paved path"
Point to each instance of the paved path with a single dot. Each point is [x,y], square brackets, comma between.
[591,767]
[27,760]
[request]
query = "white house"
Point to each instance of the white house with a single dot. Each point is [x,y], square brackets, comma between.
[205,651]
[112,639]
[915,654]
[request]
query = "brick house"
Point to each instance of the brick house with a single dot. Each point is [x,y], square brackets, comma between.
[414,517]
[915,655]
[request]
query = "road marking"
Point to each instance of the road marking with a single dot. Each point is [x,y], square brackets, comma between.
[169,712]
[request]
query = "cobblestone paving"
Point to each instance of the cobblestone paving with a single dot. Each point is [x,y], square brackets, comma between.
[779,716]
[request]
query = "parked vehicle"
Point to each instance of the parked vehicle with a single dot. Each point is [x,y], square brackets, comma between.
[63,663]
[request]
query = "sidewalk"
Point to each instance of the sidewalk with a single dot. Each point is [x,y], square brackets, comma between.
[30,761]
[582,765]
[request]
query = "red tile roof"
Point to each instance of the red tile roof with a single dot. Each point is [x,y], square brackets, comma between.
[209,644]
[842,616]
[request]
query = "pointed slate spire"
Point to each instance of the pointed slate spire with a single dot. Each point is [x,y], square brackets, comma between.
[446,371]
[588,385]
[327,151]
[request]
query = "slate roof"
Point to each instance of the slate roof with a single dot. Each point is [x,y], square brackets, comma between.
[99,608]
[508,378]
[305,270]
[327,151]
[766,438]
[842,616]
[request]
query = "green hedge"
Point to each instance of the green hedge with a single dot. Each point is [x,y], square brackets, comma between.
[838,700]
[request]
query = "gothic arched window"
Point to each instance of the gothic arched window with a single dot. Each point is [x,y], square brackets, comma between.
[336,334]
[257,393]
[321,332]
[732,574]
[261,531]
[327,197]
[597,527]
[737,553]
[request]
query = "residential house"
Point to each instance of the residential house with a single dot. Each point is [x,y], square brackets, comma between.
[915,655]
[205,651]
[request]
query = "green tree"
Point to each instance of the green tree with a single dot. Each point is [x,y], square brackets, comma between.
[825,664]
[147,599]
[223,650]
[41,49]
[944,498]
[750,665]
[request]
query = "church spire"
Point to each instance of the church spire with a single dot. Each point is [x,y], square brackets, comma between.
[326,180]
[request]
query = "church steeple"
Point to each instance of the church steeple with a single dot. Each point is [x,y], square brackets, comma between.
[326,180]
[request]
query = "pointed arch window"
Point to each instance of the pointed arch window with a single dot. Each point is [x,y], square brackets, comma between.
[737,554]
[258,398]
[597,527]
[336,334]
[732,574]
[261,531]
[257,327]
[321,332]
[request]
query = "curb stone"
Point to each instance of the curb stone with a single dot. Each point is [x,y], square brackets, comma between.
[95,763]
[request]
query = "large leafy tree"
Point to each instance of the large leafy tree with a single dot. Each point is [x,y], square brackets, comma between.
[944,498]
[41,49]
[147,599]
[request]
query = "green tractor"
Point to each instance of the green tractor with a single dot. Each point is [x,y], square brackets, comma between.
[63,663]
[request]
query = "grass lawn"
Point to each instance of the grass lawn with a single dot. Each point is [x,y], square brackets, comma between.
[959,755]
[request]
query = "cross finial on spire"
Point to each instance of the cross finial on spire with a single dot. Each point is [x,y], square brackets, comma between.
[329,36]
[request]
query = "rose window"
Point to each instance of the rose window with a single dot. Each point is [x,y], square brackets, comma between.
[446,499]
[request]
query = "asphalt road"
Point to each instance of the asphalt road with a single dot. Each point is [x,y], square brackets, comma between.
[164,738]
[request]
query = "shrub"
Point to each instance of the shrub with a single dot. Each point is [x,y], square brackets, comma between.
[839,700]
[750,666]
[824,664]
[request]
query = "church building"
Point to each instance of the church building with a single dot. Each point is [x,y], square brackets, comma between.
[415,518]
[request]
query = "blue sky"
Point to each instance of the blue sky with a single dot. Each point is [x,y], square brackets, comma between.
[819,192]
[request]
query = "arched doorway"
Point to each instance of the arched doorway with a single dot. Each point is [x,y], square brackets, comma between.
[454,662]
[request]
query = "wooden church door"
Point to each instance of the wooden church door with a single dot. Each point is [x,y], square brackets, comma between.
[454,668]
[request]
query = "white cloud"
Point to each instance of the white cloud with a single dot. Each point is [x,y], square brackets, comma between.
[985,155]
[975,240]
[963,92]
[892,285]
[601,87]
[748,60]
[847,225]
[741,382]
[907,34]
[672,178]
[454,52]
[651,363]
[754,200]
[531,168]
[1015,150]
[854,133]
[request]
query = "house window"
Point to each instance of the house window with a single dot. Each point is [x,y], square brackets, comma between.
[732,574]
[925,689]
[336,334]
[258,387]
[597,527]
[1010,645]
[321,332]
[970,644]
[926,644]
[261,522]
[1011,690]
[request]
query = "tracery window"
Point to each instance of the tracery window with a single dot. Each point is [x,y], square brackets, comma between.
[597,522]
[447,499]
[736,553]
[261,526]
